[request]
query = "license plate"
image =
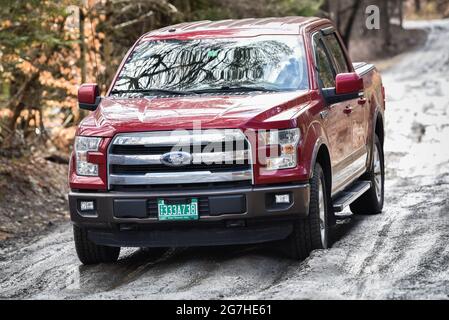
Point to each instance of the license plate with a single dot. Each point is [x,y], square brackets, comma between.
[177,211]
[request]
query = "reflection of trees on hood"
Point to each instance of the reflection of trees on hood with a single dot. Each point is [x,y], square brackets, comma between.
[189,64]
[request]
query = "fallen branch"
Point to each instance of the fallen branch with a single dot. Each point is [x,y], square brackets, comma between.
[131,22]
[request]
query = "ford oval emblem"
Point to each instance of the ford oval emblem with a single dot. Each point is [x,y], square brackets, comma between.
[176,158]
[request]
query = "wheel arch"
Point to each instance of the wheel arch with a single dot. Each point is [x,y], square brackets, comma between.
[321,155]
[379,127]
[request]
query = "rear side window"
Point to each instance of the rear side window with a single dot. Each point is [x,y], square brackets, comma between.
[337,54]
[325,73]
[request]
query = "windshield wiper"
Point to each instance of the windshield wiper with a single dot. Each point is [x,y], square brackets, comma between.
[152,91]
[236,88]
[233,88]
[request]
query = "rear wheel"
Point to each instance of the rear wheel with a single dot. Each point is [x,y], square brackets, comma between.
[312,232]
[372,201]
[91,253]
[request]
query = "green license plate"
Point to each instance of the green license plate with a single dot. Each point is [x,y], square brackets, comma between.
[178,211]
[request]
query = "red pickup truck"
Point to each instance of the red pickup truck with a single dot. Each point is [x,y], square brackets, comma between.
[228,132]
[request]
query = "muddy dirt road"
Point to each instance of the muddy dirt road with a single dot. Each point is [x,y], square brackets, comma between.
[402,253]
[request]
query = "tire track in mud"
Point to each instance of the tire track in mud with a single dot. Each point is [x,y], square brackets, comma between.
[435,261]
[138,267]
[222,267]
[206,272]
[397,257]
[407,245]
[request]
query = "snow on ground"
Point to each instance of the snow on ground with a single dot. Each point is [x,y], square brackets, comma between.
[402,253]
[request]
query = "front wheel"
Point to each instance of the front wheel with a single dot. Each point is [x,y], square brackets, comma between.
[312,232]
[91,253]
[372,201]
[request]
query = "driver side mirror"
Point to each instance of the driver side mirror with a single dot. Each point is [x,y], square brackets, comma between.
[89,96]
[347,83]
[347,86]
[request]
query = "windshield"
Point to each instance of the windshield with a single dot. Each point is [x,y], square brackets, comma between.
[272,63]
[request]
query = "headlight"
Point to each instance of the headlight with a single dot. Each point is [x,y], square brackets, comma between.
[82,146]
[287,140]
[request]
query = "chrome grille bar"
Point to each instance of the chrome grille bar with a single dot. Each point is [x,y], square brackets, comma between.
[131,159]
[180,177]
[206,157]
[179,137]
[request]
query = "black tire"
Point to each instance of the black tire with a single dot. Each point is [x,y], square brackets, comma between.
[91,253]
[370,203]
[306,235]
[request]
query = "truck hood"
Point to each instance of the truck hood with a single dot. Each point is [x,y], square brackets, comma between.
[115,115]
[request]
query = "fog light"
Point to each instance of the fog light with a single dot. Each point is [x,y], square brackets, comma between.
[282,198]
[86,205]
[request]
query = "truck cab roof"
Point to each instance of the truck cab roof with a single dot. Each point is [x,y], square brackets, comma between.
[236,27]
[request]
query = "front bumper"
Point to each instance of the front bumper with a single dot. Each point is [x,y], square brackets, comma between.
[227,216]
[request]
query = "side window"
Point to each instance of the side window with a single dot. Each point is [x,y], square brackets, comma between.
[337,54]
[325,73]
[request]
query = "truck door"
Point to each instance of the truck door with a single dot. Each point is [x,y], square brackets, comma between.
[335,118]
[356,111]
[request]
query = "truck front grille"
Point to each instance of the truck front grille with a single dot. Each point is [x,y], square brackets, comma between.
[158,150]
[143,169]
[138,159]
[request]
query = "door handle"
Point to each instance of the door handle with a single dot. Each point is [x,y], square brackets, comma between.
[347,110]
[361,101]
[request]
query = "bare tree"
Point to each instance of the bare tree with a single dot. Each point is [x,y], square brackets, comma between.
[417,5]
[385,22]
[353,10]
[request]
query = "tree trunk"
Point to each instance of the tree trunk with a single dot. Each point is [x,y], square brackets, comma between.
[17,104]
[349,25]
[385,23]
[338,16]
[417,5]
[107,48]
[185,7]
[325,6]
[82,46]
